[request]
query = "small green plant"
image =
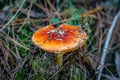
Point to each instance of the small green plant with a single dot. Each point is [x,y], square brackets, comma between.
[76,74]
[23,37]
[54,20]
[20,75]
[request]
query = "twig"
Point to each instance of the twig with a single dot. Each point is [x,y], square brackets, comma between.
[105,49]
[13,16]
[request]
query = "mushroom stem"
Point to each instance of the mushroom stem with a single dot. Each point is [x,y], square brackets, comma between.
[59,59]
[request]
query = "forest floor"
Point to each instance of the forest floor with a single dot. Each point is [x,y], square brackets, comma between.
[21,59]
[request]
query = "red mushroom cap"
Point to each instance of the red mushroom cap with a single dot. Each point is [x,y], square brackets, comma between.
[63,39]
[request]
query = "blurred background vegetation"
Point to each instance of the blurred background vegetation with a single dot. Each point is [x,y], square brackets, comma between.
[20,59]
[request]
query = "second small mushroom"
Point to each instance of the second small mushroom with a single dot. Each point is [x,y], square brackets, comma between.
[59,40]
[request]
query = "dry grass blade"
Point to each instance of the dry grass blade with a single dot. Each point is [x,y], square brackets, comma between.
[58,70]
[99,8]
[4,61]
[108,77]
[117,63]
[105,48]
[28,17]
[54,9]
[0,72]
[89,13]
[14,41]
[13,16]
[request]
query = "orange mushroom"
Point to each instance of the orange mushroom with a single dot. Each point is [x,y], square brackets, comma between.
[59,40]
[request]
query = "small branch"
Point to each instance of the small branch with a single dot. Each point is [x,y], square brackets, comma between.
[105,49]
[13,16]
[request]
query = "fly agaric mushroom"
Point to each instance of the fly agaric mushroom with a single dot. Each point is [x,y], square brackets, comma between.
[59,40]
